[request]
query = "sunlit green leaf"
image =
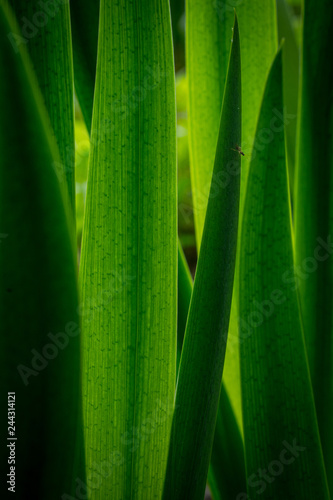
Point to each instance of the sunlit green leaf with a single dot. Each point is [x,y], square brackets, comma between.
[129,256]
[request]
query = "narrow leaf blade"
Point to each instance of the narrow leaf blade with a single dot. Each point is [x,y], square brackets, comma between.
[280,426]
[314,211]
[226,474]
[201,365]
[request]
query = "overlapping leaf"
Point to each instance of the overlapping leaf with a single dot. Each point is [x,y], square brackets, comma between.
[291,58]
[314,211]
[283,451]
[39,306]
[45,32]
[209,31]
[226,474]
[201,365]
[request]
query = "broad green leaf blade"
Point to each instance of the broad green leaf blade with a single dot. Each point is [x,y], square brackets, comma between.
[314,211]
[44,28]
[201,365]
[129,258]
[84,49]
[226,474]
[85,69]
[280,426]
[84,21]
[85,65]
[290,82]
[39,316]
[84,41]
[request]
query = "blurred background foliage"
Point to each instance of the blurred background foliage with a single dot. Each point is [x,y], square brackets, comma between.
[185,208]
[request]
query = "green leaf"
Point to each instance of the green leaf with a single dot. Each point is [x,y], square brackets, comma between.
[290,81]
[201,365]
[314,211]
[128,270]
[226,476]
[257,26]
[209,31]
[259,43]
[85,63]
[229,459]
[44,29]
[184,299]
[227,467]
[39,306]
[280,426]
[208,35]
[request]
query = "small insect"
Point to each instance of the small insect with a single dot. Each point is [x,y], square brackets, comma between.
[238,150]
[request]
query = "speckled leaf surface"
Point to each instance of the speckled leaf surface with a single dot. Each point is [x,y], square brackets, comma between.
[128,271]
